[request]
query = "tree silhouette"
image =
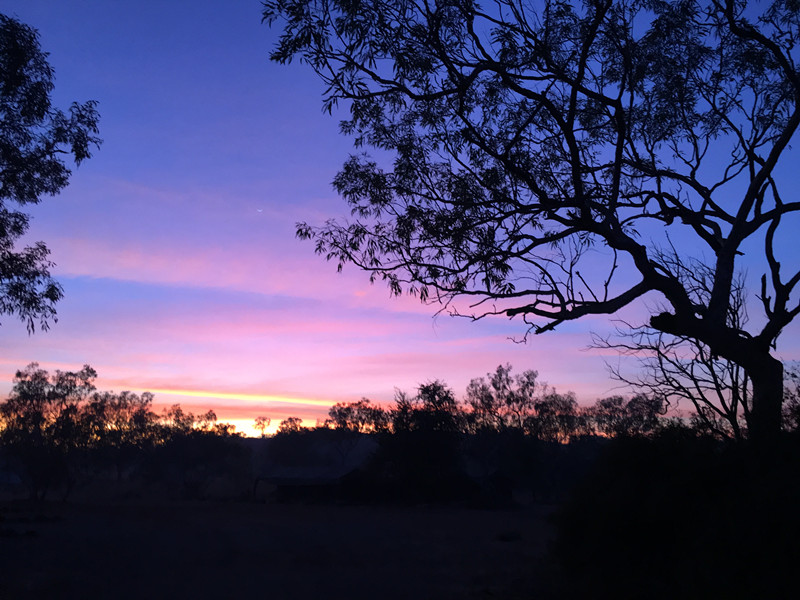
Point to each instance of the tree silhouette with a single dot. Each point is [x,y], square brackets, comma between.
[261,424]
[682,368]
[504,401]
[34,137]
[361,416]
[120,428]
[42,423]
[556,417]
[637,416]
[177,420]
[423,450]
[791,404]
[436,409]
[56,425]
[291,425]
[544,158]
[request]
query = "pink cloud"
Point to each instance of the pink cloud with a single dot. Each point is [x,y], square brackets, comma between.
[271,272]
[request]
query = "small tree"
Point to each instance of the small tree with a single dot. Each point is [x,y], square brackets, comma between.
[361,416]
[504,401]
[437,408]
[556,417]
[177,421]
[120,427]
[291,425]
[423,452]
[638,416]
[261,424]
[206,423]
[402,414]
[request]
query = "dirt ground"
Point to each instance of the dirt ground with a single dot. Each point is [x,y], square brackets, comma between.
[237,549]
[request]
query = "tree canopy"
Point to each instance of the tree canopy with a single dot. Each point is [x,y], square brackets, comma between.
[57,427]
[553,160]
[34,139]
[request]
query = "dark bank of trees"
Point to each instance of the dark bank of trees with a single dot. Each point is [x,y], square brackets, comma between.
[681,515]
[510,432]
[634,486]
[500,402]
[57,429]
[503,401]
[431,447]
[509,426]
[648,505]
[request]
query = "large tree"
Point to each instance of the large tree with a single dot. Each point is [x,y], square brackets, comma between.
[552,159]
[35,138]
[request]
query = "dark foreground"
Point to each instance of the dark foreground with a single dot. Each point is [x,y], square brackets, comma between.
[230,550]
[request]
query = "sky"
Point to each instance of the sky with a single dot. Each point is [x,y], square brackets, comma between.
[175,242]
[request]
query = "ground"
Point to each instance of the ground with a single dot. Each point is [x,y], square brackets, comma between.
[148,549]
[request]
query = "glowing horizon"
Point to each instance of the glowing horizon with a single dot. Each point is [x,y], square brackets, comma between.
[257,398]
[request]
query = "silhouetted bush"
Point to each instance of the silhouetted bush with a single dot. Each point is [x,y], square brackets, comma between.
[186,463]
[422,466]
[682,516]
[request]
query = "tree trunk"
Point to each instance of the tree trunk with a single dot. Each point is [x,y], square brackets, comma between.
[764,423]
[764,370]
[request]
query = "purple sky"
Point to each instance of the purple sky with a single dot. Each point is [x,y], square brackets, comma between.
[175,242]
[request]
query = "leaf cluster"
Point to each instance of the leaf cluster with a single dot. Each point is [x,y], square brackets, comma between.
[35,139]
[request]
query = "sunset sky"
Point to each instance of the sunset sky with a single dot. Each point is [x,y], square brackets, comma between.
[175,243]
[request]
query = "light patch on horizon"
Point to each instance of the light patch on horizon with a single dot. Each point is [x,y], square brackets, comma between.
[263,399]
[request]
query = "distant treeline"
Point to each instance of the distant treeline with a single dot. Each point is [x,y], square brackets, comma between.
[662,504]
[57,428]
[503,402]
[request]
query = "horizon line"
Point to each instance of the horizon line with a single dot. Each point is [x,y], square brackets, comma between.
[243,396]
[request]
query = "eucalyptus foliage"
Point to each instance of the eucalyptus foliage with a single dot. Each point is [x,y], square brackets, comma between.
[35,137]
[553,160]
